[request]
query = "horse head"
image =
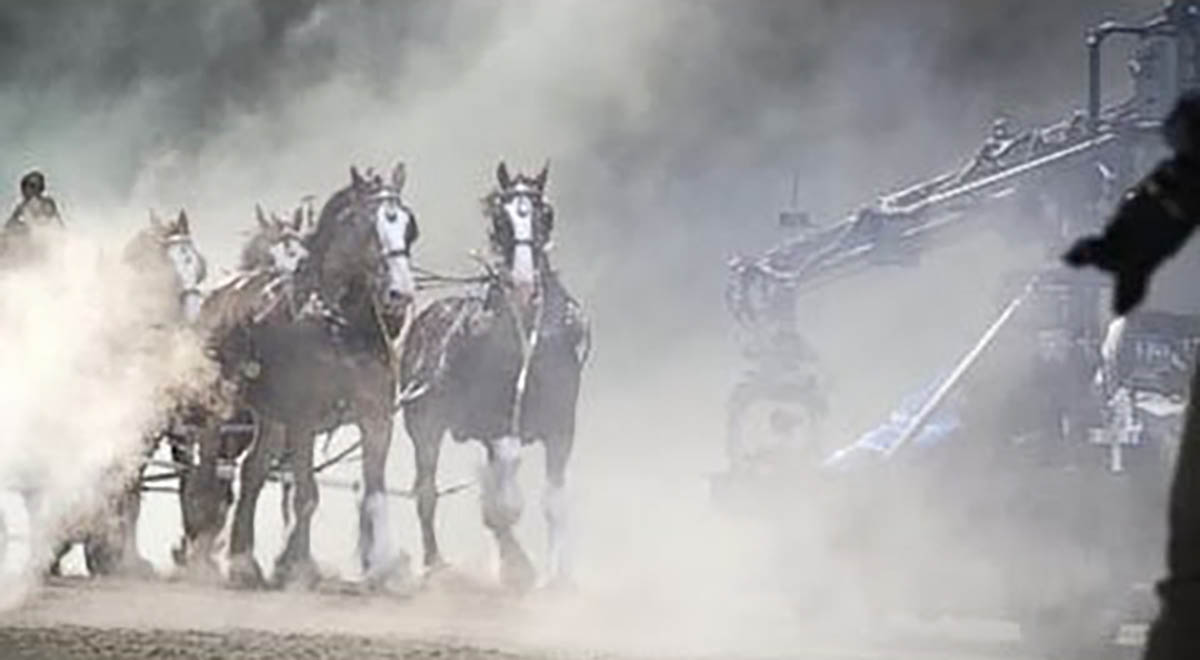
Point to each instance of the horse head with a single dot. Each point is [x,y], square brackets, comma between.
[278,244]
[521,223]
[364,235]
[167,248]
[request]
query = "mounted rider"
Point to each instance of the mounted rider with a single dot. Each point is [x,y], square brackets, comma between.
[36,215]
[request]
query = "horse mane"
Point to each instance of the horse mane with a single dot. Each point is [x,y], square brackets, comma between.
[254,253]
[144,245]
[333,212]
[236,300]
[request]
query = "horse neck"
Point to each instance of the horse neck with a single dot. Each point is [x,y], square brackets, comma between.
[547,287]
[316,275]
[319,240]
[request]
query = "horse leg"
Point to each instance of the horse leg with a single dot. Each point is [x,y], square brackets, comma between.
[118,552]
[107,536]
[38,538]
[554,507]
[285,500]
[202,497]
[132,561]
[426,438]
[285,490]
[381,561]
[60,551]
[296,562]
[243,567]
[502,505]
[183,461]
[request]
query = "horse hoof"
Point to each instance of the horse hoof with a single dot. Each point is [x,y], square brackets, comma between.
[203,571]
[245,573]
[301,575]
[441,576]
[137,568]
[436,568]
[518,575]
[395,576]
[561,585]
[179,556]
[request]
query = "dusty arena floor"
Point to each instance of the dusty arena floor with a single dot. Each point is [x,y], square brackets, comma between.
[74,618]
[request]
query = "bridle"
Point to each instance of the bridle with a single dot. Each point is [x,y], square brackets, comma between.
[389,194]
[194,290]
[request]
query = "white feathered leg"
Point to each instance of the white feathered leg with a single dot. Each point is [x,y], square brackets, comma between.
[502,505]
[554,506]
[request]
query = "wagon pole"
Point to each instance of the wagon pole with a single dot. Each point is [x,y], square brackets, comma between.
[392,492]
[964,365]
[162,476]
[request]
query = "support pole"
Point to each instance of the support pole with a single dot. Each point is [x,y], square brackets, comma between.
[939,396]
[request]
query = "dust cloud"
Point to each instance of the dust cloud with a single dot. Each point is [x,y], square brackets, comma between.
[92,364]
[674,130]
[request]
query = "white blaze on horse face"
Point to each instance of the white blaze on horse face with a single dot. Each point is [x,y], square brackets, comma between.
[189,271]
[186,262]
[287,254]
[519,210]
[392,222]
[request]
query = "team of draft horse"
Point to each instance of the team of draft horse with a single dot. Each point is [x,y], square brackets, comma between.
[320,328]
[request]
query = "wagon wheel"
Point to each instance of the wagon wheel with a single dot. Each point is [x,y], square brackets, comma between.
[773,417]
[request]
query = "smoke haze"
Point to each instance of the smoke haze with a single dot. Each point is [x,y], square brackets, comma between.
[674,130]
[91,368]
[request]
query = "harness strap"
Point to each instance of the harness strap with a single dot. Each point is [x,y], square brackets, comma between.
[529,343]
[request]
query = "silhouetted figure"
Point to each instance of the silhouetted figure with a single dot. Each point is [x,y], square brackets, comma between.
[35,217]
[36,210]
[1152,222]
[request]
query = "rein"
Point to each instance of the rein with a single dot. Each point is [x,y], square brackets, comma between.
[427,279]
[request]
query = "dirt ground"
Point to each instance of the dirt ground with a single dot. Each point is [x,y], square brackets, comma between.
[76,618]
[29,643]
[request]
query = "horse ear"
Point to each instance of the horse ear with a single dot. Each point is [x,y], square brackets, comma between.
[261,217]
[502,176]
[356,179]
[181,223]
[540,180]
[298,219]
[310,211]
[399,175]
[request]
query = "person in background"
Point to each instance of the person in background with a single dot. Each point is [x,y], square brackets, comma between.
[36,211]
[1153,222]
